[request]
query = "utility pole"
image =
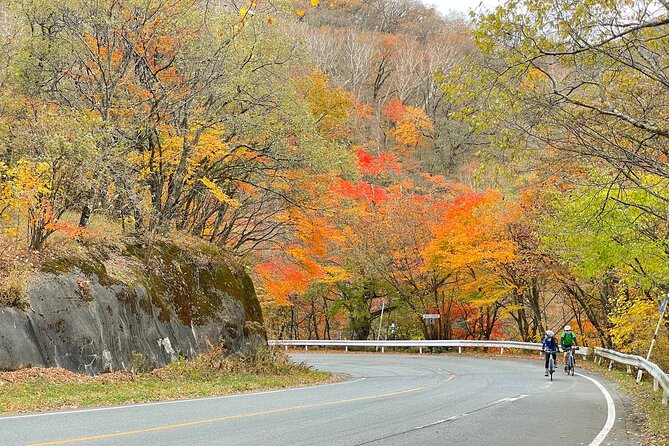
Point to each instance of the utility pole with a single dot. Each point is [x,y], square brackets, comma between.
[378,334]
[663,307]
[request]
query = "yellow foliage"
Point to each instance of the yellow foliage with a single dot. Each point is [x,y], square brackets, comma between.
[30,179]
[633,319]
[217,192]
[412,125]
[332,106]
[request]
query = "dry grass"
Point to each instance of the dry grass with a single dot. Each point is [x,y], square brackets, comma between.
[36,389]
[18,264]
[13,284]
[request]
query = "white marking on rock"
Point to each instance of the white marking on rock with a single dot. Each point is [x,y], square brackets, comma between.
[167,345]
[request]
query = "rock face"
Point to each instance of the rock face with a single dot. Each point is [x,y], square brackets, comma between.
[104,312]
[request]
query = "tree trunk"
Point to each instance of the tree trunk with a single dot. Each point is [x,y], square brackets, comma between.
[85,215]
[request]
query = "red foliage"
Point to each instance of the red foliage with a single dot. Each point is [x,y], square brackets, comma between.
[394,110]
[374,165]
[361,191]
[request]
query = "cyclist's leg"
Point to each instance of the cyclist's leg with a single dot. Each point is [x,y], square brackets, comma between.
[546,354]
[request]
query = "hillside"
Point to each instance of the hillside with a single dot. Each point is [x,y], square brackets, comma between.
[367,161]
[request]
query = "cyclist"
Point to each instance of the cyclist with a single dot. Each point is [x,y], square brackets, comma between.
[567,342]
[549,347]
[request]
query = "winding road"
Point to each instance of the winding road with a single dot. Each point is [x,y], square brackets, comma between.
[389,399]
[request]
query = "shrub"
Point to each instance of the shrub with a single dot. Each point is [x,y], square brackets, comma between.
[13,285]
[140,364]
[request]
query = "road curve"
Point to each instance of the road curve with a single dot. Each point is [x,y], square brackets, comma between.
[388,400]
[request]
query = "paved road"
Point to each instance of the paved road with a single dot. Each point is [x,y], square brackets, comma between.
[388,400]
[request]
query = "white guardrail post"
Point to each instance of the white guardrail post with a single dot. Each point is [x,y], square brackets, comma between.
[660,378]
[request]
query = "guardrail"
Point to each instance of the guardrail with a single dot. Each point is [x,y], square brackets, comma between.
[459,343]
[659,377]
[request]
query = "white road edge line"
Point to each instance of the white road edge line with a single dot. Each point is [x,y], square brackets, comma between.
[499,401]
[611,417]
[456,417]
[430,424]
[160,403]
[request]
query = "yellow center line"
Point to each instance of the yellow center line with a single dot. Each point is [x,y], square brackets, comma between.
[232,417]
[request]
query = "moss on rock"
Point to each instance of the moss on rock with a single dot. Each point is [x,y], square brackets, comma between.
[186,280]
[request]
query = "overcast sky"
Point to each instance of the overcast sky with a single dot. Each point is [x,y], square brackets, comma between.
[461,5]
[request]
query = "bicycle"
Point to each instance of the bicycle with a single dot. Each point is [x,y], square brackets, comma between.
[571,362]
[551,363]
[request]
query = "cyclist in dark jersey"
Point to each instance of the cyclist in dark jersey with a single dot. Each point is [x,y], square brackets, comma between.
[549,347]
[567,342]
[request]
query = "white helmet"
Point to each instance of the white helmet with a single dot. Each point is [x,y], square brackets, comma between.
[567,328]
[550,333]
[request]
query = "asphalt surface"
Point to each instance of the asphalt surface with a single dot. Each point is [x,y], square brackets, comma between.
[388,399]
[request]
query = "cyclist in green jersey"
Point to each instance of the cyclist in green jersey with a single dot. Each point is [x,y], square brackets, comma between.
[567,342]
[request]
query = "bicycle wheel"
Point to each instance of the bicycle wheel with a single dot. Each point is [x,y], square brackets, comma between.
[572,366]
[551,366]
[573,363]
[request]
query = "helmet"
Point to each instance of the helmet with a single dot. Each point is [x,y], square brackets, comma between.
[567,328]
[550,333]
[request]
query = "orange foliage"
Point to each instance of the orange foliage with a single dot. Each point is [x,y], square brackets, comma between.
[394,110]
[411,126]
[472,232]
[363,110]
[281,280]
[389,47]
[306,261]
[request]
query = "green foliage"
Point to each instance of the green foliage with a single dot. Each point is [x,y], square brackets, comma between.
[356,298]
[595,230]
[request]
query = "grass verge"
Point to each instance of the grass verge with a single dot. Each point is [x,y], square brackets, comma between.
[36,389]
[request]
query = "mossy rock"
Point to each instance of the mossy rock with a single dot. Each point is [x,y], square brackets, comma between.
[172,301]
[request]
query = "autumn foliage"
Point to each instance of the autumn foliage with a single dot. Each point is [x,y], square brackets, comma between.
[359,157]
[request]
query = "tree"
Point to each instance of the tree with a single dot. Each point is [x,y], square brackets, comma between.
[51,159]
[587,84]
[203,116]
[471,242]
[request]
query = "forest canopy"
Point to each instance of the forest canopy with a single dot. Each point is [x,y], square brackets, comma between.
[369,161]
